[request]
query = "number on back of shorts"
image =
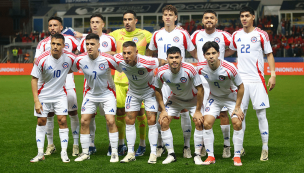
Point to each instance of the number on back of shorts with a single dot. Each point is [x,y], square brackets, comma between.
[210,102]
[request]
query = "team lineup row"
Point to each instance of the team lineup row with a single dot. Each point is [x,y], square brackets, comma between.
[177,78]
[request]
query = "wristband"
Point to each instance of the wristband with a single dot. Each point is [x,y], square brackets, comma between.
[273,74]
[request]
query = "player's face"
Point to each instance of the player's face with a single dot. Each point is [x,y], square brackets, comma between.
[57,46]
[96,24]
[209,20]
[211,56]
[174,60]
[169,17]
[92,46]
[129,22]
[130,55]
[55,27]
[247,19]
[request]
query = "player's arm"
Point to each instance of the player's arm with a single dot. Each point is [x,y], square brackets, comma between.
[159,97]
[77,34]
[237,110]
[229,52]
[272,79]
[111,53]
[198,118]
[194,53]
[34,83]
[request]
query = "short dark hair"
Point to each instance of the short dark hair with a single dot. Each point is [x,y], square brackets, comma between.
[97,15]
[170,8]
[92,36]
[55,18]
[210,11]
[130,11]
[210,44]
[58,36]
[173,50]
[247,9]
[129,43]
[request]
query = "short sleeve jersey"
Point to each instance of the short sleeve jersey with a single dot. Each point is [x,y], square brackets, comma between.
[163,40]
[140,76]
[183,83]
[200,37]
[250,48]
[139,36]
[107,43]
[51,74]
[223,80]
[97,74]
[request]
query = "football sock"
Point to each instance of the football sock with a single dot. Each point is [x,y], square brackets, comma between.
[142,124]
[153,136]
[198,141]
[64,138]
[168,140]
[40,137]
[75,128]
[131,137]
[121,126]
[226,134]
[85,142]
[92,132]
[114,141]
[238,142]
[159,140]
[263,126]
[209,140]
[49,129]
[186,127]
[244,123]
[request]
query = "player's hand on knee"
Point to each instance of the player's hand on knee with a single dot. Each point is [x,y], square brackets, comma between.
[239,113]
[162,116]
[38,107]
[198,118]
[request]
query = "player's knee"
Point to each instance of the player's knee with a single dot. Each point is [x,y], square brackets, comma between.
[165,122]
[111,122]
[130,121]
[84,122]
[41,121]
[237,125]
[120,111]
[62,121]
[151,120]
[207,125]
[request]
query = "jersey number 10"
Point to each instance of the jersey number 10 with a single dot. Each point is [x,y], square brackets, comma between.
[57,73]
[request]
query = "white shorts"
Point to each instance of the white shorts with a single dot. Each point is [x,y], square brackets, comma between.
[107,103]
[174,105]
[257,92]
[60,108]
[215,104]
[133,103]
[72,99]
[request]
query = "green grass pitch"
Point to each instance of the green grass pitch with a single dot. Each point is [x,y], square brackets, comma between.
[286,143]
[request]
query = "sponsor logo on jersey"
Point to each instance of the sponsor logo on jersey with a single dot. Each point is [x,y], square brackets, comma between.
[176,39]
[66,46]
[64,140]
[216,39]
[168,81]
[65,65]
[124,69]
[183,80]
[50,68]
[141,72]
[207,109]
[263,104]
[161,39]
[112,110]
[201,39]
[85,67]
[104,44]
[83,109]
[206,76]
[152,107]
[135,39]
[221,78]
[102,66]
[254,39]
[127,106]
[239,40]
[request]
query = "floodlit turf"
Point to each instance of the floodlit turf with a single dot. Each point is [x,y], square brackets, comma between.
[286,143]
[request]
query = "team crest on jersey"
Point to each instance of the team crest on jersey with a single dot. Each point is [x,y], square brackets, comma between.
[216,39]
[104,44]
[141,72]
[207,109]
[221,78]
[135,39]
[176,39]
[127,106]
[254,39]
[65,65]
[183,79]
[66,46]
[101,66]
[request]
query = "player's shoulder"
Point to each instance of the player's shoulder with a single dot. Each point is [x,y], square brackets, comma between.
[82,55]
[146,60]
[159,31]
[223,32]
[42,57]
[105,55]
[118,56]
[198,31]
[229,66]
[262,32]
[181,30]
[238,31]
[44,41]
[143,31]
[162,69]
[69,36]
[190,67]
[69,53]
[202,64]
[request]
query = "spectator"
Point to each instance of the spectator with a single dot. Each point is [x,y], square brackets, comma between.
[42,35]
[290,40]
[15,55]
[18,38]
[288,26]
[283,26]
[290,51]
[199,27]
[298,50]
[19,54]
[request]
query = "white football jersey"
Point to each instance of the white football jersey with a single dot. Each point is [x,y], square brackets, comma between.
[183,83]
[223,80]
[140,76]
[250,48]
[70,45]
[200,37]
[163,40]
[97,74]
[52,74]
[107,43]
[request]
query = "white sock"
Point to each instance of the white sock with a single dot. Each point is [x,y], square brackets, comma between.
[75,128]
[168,140]
[40,137]
[92,132]
[131,137]
[142,142]
[85,142]
[114,141]
[243,122]
[186,127]
[263,126]
[153,136]
[238,142]
[198,141]
[226,134]
[209,140]
[159,139]
[64,138]
[49,129]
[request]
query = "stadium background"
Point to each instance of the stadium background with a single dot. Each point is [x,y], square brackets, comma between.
[24,24]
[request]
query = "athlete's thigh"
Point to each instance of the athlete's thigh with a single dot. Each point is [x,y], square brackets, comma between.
[246,95]
[121,94]
[46,108]
[213,106]
[173,106]
[61,106]
[108,104]
[89,106]
[72,99]
[259,96]
[151,103]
